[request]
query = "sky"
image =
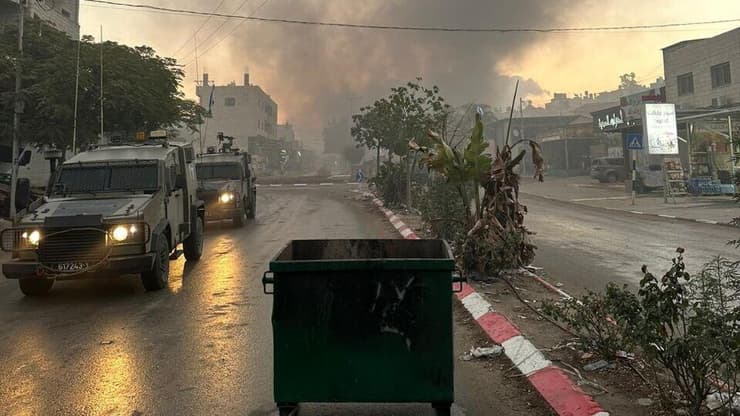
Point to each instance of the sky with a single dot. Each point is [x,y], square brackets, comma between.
[317,74]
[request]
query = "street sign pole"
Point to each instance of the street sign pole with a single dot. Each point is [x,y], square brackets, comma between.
[634,143]
[634,175]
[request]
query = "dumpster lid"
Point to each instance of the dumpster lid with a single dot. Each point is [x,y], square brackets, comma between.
[318,255]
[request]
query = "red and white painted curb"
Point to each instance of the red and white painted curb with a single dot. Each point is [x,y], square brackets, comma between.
[551,382]
[402,228]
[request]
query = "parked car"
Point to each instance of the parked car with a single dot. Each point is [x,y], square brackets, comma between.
[608,169]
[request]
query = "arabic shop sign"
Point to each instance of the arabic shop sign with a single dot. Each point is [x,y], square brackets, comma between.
[610,119]
[660,129]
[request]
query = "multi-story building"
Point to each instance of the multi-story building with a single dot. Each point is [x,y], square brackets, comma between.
[285,132]
[241,111]
[704,73]
[64,15]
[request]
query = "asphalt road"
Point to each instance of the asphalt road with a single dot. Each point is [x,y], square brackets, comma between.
[204,345]
[585,247]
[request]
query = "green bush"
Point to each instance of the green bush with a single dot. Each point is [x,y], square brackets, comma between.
[390,183]
[442,207]
[686,327]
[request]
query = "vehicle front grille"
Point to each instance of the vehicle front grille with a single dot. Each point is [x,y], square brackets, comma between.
[209,197]
[72,245]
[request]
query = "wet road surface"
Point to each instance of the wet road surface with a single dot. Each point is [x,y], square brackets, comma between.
[202,346]
[585,247]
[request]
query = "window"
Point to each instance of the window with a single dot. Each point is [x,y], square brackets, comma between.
[108,178]
[220,171]
[721,75]
[230,102]
[686,84]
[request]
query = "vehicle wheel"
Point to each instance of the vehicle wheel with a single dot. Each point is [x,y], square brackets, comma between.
[241,215]
[288,410]
[611,177]
[442,409]
[157,277]
[253,207]
[193,245]
[35,287]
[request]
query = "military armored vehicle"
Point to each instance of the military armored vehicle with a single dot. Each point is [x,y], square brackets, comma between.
[115,209]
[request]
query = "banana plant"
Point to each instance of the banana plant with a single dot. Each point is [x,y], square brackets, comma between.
[463,168]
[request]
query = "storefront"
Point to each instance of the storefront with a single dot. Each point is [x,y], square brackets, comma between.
[713,141]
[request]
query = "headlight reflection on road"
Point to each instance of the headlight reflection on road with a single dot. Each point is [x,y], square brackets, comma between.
[112,382]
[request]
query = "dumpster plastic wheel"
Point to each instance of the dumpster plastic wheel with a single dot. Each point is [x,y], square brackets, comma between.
[442,409]
[288,409]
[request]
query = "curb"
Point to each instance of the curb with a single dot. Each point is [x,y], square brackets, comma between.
[647,214]
[551,382]
[302,185]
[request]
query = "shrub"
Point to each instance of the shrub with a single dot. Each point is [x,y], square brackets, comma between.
[602,322]
[687,327]
[391,183]
[443,209]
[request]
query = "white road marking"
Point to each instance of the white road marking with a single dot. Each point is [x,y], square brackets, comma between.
[606,198]
[667,216]
[527,358]
[326,184]
[476,305]
[708,222]
[637,212]
[300,184]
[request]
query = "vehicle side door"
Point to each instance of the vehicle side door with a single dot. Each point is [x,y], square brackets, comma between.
[174,198]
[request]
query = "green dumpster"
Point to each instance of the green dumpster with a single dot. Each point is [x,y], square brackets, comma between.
[362,321]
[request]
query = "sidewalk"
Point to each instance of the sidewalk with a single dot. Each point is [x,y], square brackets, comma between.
[586,191]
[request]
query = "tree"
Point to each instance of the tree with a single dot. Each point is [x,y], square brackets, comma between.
[408,112]
[140,88]
[627,81]
[353,154]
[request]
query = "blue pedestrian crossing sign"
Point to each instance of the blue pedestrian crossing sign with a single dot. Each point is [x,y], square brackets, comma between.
[634,141]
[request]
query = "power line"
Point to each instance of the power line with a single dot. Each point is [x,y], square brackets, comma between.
[198,30]
[415,28]
[228,34]
[217,29]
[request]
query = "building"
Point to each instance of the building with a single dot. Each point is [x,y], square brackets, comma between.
[337,136]
[285,132]
[703,73]
[241,111]
[64,15]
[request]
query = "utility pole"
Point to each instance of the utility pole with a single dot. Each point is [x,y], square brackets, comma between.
[197,77]
[101,85]
[18,110]
[77,93]
[521,133]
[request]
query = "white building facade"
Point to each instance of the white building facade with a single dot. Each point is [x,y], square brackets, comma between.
[704,73]
[241,111]
[63,15]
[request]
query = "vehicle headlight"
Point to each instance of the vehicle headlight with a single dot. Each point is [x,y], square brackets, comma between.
[121,233]
[31,237]
[226,197]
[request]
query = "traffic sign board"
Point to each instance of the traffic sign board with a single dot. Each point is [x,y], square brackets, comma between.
[634,141]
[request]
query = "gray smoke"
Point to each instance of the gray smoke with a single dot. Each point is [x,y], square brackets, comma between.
[319,73]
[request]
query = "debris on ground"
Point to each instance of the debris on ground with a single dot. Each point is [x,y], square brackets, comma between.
[597,365]
[106,342]
[625,354]
[647,402]
[718,400]
[482,352]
